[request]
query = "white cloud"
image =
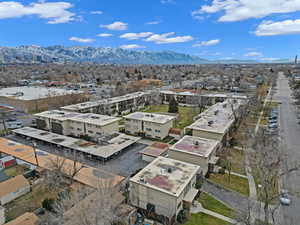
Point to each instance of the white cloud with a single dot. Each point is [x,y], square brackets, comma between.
[167,1]
[153,22]
[270,28]
[98,12]
[207,43]
[166,39]
[104,35]
[254,54]
[116,26]
[237,10]
[54,12]
[133,46]
[135,36]
[269,59]
[82,40]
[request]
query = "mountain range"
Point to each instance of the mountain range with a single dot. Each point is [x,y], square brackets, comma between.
[61,54]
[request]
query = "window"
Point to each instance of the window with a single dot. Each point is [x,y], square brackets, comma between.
[148,129]
[78,129]
[91,132]
[157,131]
[151,208]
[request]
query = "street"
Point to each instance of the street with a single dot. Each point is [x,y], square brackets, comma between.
[290,137]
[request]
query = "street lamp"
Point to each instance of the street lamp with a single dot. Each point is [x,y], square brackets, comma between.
[34,150]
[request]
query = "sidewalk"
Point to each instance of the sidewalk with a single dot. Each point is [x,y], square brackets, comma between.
[198,208]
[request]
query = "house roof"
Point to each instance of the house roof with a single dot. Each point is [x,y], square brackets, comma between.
[12,185]
[25,219]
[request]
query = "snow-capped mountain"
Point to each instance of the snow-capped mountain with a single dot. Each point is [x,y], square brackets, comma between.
[56,54]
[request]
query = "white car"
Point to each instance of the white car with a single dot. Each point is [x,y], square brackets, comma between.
[284,198]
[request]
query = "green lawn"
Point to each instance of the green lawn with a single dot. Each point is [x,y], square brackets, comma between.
[204,219]
[210,203]
[237,160]
[185,115]
[15,171]
[236,183]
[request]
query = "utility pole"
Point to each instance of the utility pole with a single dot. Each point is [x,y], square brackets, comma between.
[34,150]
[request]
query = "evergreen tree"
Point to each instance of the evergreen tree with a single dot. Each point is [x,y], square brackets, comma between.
[173,106]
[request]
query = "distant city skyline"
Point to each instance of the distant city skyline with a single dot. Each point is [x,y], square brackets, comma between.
[212,29]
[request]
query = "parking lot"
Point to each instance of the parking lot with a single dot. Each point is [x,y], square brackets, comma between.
[124,164]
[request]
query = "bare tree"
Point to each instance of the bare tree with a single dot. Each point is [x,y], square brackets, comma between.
[62,171]
[267,162]
[90,206]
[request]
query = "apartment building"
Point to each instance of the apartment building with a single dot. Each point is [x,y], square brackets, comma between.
[112,106]
[35,99]
[216,122]
[149,124]
[196,150]
[77,124]
[194,97]
[164,187]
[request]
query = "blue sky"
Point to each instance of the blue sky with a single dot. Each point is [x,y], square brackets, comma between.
[213,29]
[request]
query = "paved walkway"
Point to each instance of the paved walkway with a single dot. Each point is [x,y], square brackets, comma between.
[236,174]
[198,208]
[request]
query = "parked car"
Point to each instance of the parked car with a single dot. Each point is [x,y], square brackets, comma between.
[14,125]
[273,117]
[284,198]
[273,125]
[272,121]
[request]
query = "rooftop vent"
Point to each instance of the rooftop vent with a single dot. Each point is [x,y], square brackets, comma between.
[210,123]
[216,112]
[196,143]
[142,180]
[94,117]
[169,170]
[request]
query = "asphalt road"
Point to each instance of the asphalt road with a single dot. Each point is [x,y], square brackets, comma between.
[290,136]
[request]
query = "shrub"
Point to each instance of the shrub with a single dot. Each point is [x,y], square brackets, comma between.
[48,204]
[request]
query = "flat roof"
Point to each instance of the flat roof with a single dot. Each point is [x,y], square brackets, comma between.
[166,175]
[150,117]
[34,92]
[217,118]
[111,145]
[90,118]
[91,104]
[156,149]
[12,184]
[87,175]
[195,145]
[211,95]
[25,219]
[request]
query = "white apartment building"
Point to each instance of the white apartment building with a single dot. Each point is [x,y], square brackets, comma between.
[150,125]
[77,124]
[112,106]
[196,150]
[216,121]
[192,98]
[164,187]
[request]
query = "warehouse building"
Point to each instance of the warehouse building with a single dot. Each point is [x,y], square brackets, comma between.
[164,187]
[77,124]
[150,125]
[196,150]
[36,99]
